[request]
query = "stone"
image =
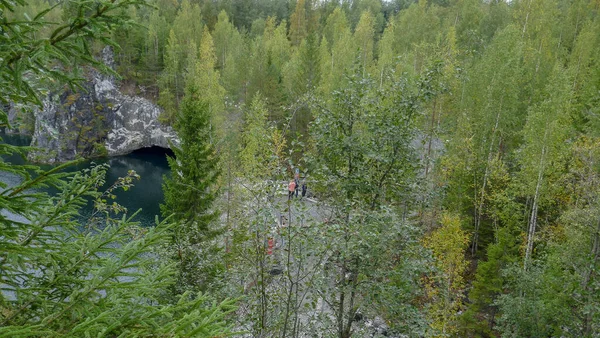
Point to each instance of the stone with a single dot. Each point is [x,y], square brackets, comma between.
[96,121]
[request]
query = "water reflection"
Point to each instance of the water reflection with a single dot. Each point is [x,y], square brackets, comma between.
[150,163]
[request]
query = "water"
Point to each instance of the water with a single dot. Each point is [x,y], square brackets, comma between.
[150,163]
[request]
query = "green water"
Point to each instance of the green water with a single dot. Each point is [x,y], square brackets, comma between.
[150,163]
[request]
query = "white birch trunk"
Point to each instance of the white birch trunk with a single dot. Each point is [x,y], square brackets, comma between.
[534,208]
[479,207]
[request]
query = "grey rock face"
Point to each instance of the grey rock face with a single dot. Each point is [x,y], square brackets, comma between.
[97,121]
[20,119]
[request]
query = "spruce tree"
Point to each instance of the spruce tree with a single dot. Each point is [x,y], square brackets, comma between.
[63,274]
[190,193]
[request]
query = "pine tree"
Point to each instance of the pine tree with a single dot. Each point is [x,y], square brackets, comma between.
[190,193]
[87,276]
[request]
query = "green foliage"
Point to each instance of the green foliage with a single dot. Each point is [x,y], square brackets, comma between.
[63,273]
[487,133]
[377,263]
[100,279]
[341,49]
[544,152]
[207,83]
[539,309]
[168,103]
[499,130]
[189,196]
[187,25]
[363,162]
[298,25]
[566,303]
[363,137]
[489,283]
[269,54]
[448,244]
[301,74]
[171,80]
[363,37]
[35,53]
[416,25]
[223,35]
[257,147]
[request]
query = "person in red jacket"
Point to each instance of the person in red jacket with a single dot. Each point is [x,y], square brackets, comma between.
[291,189]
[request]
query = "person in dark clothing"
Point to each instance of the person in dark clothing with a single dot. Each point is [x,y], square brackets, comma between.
[303,189]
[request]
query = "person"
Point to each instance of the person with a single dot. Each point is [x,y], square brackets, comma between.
[297,185]
[291,189]
[303,189]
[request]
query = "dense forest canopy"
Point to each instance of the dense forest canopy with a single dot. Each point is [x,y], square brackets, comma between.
[454,146]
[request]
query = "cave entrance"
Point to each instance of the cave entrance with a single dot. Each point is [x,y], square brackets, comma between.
[153,151]
[155,156]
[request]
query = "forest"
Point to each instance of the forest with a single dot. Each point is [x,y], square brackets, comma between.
[451,150]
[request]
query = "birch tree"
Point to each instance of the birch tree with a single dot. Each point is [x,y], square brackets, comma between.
[542,156]
[363,37]
[207,82]
[340,45]
[366,169]
[493,100]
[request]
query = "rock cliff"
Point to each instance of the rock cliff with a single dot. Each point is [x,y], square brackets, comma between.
[96,121]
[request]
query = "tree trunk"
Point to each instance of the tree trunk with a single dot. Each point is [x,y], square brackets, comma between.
[526,19]
[228,211]
[290,290]
[534,209]
[340,314]
[479,206]
[431,127]
[595,253]
[351,311]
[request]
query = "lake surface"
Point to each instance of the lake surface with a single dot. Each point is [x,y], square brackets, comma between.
[150,163]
